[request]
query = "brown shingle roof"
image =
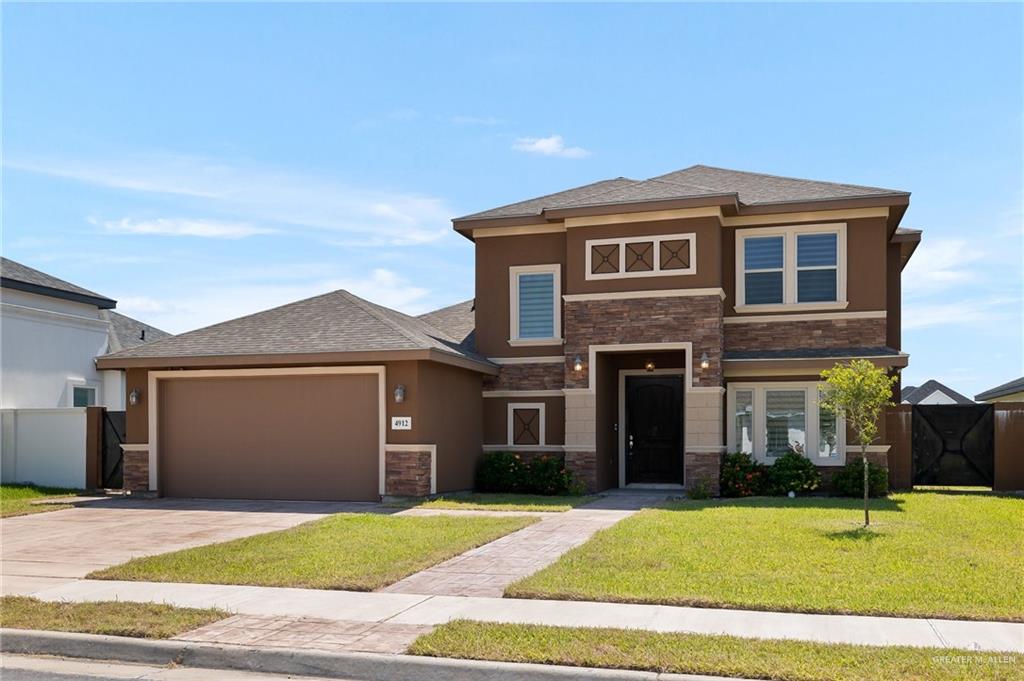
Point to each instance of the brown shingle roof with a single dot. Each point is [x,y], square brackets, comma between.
[458,321]
[334,322]
[697,181]
[24,278]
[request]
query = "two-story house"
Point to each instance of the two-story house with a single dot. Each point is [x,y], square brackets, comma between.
[639,328]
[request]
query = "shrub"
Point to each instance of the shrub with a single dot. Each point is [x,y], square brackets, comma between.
[547,475]
[499,472]
[506,472]
[741,476]
[699,490]
[792,472]
[849,480]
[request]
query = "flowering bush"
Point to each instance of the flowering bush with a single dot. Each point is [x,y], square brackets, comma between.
[507,472]
[741,476]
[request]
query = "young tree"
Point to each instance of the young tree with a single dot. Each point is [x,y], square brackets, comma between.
[858,392]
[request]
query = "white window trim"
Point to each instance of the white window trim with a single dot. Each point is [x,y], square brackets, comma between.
[691,237]
[513,304]
[73,383]
[789,278]
[510,432]
[811,421]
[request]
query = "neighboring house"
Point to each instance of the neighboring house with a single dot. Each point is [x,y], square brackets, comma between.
[639,329]
[932,392]
[1012,391]
[51,332]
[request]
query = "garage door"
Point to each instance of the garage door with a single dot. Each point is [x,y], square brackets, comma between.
[312,437]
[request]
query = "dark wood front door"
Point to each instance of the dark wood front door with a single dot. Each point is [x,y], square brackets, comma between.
[654,429]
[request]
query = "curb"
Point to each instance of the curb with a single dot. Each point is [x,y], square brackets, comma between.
[354,666]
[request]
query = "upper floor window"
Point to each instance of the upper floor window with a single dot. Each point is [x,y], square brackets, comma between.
[641,256]
[791,266]
[534,309]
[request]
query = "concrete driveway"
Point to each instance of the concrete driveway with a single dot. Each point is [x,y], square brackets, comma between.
[43,550]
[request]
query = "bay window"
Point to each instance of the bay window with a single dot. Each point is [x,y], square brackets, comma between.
[791,268]
[769,419]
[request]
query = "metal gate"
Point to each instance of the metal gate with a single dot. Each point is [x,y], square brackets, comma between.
[112,459]
[953,445]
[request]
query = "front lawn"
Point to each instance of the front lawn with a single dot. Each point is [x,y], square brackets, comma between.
[506,502]
[17,499]
[114,618]
[352,551]
[727,656]
[925,555]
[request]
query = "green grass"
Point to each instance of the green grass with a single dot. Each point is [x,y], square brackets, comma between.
[925,555]
[16,499]
[357,552]
[505,502]
[114,618]
[712,655]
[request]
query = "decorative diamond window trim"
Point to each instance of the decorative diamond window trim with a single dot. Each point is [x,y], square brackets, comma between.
[643,251]
[513,421]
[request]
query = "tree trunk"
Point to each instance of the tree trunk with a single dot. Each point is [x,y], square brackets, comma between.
[864,458]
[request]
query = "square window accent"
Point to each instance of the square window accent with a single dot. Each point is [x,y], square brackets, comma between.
[604,259]
[640,256]
[675,254]
[83,396]
[526,426]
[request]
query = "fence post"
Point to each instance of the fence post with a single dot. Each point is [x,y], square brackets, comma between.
[897,436]
[94,447]
[1008,442]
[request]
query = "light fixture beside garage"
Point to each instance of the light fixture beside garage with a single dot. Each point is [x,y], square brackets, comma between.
[704,361]
[134,397]
[577,364]
[399,394]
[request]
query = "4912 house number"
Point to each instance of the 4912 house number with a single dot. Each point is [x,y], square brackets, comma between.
[401,423]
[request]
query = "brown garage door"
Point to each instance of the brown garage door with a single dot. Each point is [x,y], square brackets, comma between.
[309,437]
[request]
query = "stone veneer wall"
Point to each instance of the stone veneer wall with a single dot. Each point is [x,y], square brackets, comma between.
[823,333]
[135,465]
[407,474]
[702,468]
[526,377]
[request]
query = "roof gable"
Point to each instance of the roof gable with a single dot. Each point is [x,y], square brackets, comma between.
[20,277]
[912,395]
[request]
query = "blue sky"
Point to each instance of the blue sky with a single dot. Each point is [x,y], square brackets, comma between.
[198,162]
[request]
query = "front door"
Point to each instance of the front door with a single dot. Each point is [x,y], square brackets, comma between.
[654,429]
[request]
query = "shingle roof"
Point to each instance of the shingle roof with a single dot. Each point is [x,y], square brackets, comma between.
[696,181]
[330,323]
[458,321]
[1014,386]
[912,395]
[125,332]
[24,278]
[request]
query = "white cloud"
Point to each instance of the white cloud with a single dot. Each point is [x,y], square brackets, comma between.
[548,146]
[940,264]
[960,313]
[211,229]
[136,304]
[261,195]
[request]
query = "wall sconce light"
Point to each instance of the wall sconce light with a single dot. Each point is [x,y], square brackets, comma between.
[134,397]
[399,394]
[577,364]
[649,366]
[704,361]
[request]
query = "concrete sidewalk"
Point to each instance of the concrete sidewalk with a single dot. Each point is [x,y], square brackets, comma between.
[425,611]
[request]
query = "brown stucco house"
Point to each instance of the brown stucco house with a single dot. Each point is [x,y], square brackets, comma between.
[637,328]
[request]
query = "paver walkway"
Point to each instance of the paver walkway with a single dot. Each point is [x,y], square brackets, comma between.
[429,611]
[488,569]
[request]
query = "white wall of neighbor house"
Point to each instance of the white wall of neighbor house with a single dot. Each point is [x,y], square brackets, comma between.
[47,348]
[43,446]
